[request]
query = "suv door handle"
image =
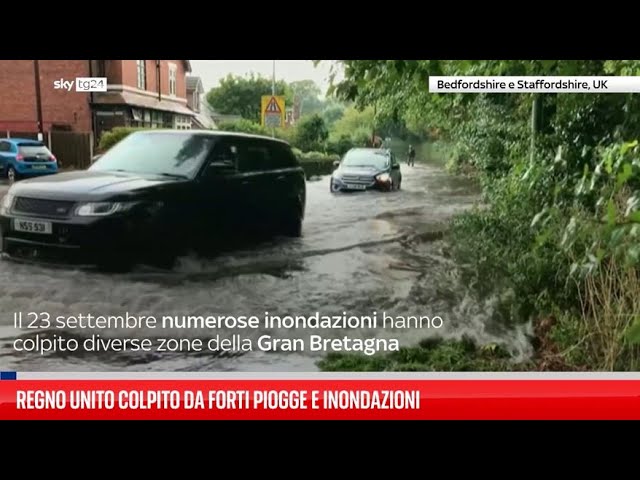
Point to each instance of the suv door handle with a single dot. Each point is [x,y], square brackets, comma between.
[281,177]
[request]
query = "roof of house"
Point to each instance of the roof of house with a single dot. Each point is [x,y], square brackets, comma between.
[194,83]
[205,121]
[135,100]
[204,116]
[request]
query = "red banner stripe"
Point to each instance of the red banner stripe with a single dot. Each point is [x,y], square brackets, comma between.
[320,399]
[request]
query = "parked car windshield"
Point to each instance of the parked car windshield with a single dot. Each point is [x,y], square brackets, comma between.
[161,153]
[366,158]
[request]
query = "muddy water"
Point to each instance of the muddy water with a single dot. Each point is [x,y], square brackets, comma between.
[360,253]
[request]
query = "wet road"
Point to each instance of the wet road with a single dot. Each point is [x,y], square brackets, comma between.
[359,253]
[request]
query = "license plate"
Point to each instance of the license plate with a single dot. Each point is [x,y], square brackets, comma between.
[38,167]
[31,226]
[355,186]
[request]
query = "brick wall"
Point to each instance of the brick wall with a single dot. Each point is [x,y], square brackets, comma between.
[59,106]
[18,97]
[181,84]
[113,71]
[130,76]
[129,73]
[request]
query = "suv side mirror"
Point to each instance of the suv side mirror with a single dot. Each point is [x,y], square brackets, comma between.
[395,166]
[336,164]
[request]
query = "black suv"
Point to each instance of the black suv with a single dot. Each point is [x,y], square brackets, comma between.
[155,195]
[366,169]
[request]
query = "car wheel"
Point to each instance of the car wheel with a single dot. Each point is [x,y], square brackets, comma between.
[292,224]
[332,187]
[12,175]
[293,227]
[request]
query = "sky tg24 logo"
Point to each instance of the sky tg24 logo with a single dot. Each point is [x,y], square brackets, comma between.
[82,84]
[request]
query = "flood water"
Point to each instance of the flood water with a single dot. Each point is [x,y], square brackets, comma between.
[360,253]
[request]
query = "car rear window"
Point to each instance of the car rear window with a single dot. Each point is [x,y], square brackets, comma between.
[33,149]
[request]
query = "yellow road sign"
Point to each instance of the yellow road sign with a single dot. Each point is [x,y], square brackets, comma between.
[272,111]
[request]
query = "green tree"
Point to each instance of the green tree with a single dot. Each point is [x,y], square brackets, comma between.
[242,95]
[332,112]
[357,124]
[308,94]
[342,144]
[559,235]
[311,134]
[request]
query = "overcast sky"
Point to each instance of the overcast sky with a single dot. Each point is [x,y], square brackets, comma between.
[211,71]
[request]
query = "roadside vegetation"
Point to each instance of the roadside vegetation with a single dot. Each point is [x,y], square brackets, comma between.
[326,130]
[558,242]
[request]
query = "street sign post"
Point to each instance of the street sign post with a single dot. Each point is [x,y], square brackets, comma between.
[272,110]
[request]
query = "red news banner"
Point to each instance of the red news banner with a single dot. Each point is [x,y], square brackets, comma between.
[319,399]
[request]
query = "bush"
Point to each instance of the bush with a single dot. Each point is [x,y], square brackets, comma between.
[526,268]
[247,126]
[244,126]
[341,145]
[566,246]
[432,355]
[600,236]
[311,133]
[316,163]
[113,136]
[287,134]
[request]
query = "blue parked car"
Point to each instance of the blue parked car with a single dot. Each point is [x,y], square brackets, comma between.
[23,158]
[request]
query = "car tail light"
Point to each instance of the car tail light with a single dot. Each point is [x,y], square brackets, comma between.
[19,158]
[53,158]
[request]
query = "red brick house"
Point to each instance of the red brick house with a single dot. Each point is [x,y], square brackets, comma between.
[150,93]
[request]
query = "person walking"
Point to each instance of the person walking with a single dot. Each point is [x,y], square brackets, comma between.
[411,156]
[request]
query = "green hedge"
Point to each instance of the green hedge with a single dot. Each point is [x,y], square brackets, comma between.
[110,138]
[316,163]
[244,126]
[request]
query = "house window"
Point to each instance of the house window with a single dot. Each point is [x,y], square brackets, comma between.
[142,74]
[182,122]
[157,119]
[136,117]
[173,70]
